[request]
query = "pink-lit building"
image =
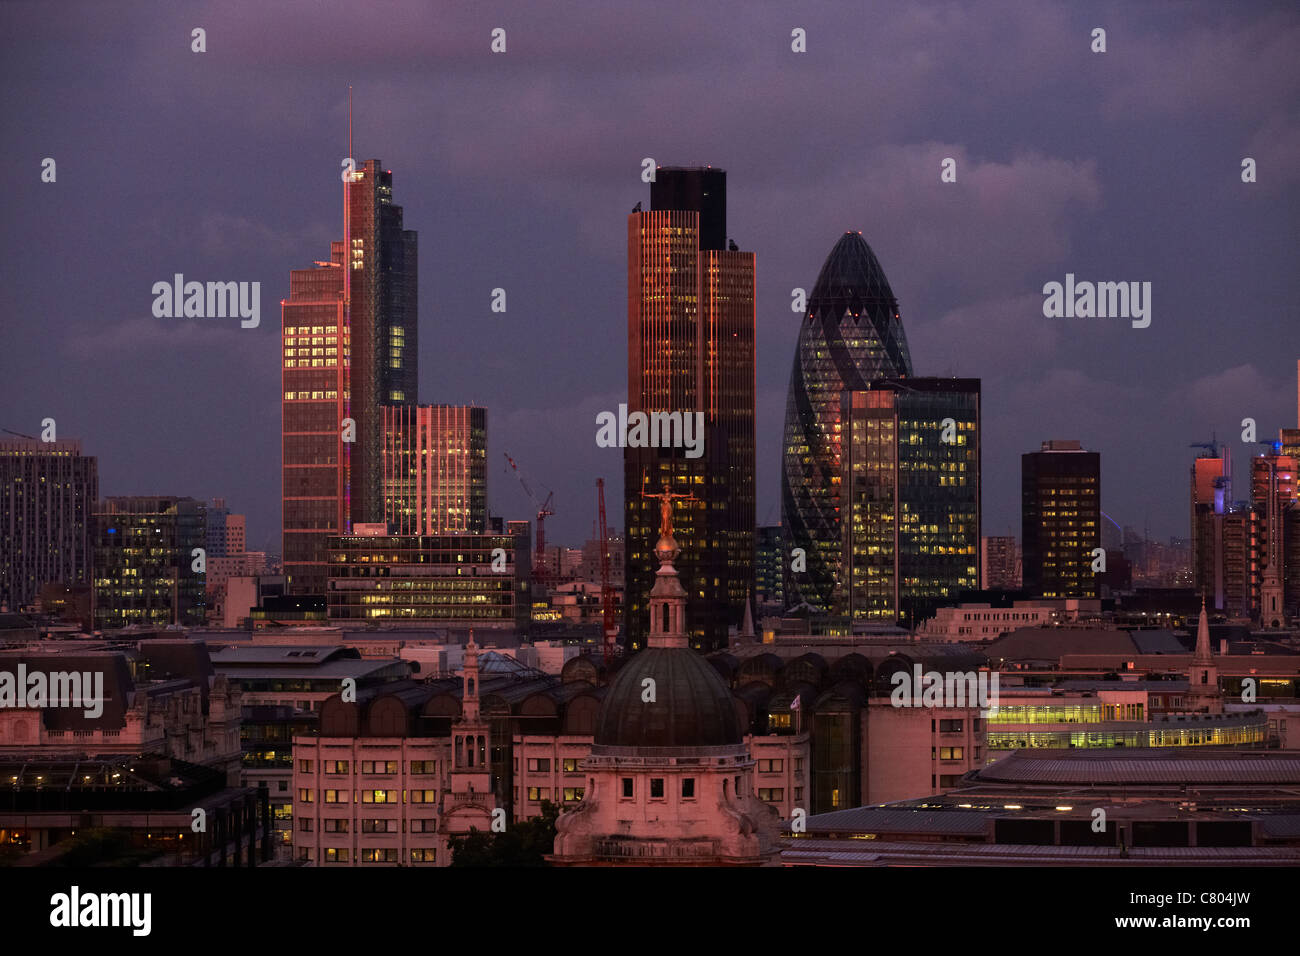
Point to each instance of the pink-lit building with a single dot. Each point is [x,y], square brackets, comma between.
[435,469]
[669,775]
[380,786]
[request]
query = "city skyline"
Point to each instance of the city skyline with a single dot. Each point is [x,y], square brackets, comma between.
[130,386]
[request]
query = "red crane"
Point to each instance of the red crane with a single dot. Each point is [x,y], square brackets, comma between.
[606,589]
[543,512]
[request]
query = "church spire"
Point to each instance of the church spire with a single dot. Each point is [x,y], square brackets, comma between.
[747,623]
[1202,654]
[470,702]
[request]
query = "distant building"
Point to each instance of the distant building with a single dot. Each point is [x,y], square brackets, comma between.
[1211,499]
[769,568]
[221,568]
[1247,553]
[427,579]
[980,622]
[589,570]
[244,593]
[1272,496]
[47,496]
[999,563]
[1060,519]
[435,469]
[226,531]
[145,551]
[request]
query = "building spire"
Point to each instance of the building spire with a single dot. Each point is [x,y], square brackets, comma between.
[667,597]
[1202,654]
[471,680]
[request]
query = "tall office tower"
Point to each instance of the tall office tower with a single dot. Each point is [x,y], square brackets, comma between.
[769,573]
[1290,437]
[1272,495]
[1000,563]
[1238,543]
[1211,498]
[1291,561]
[47,494]
[383,300]
[910,497]
[1060,514]
[350,347]
[435,469]
[314,455]
[849,336]
[691,349]
[144,561]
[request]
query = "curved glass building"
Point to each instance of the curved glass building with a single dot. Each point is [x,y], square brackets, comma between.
[851,335]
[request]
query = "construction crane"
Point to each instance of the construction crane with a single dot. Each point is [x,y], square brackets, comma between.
[1212,446]
[543,512]
[606,589]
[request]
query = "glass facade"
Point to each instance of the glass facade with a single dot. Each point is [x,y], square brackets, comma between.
[1060,520]
[435,469]
[1116,724]
[427,578]
[350,341]
[910,459]
[850,336]
[144,562]
[768,574]
[691,348]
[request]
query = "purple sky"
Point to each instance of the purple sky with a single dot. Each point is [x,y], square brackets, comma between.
[518,171]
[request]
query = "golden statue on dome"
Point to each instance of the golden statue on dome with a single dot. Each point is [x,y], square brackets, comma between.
[665,506]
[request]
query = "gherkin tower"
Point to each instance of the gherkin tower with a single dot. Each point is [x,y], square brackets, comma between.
[850,335]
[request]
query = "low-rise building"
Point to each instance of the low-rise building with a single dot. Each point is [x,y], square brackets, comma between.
[1191,807]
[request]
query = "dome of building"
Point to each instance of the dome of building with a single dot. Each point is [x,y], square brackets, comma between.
[692,706]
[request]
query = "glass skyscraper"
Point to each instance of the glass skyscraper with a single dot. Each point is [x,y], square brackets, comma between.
[691,349]
[1060,515]
[911,498]
[435,468]
[350,341]
[850,336]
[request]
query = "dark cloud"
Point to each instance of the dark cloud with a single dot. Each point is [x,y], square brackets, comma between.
[518,170]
